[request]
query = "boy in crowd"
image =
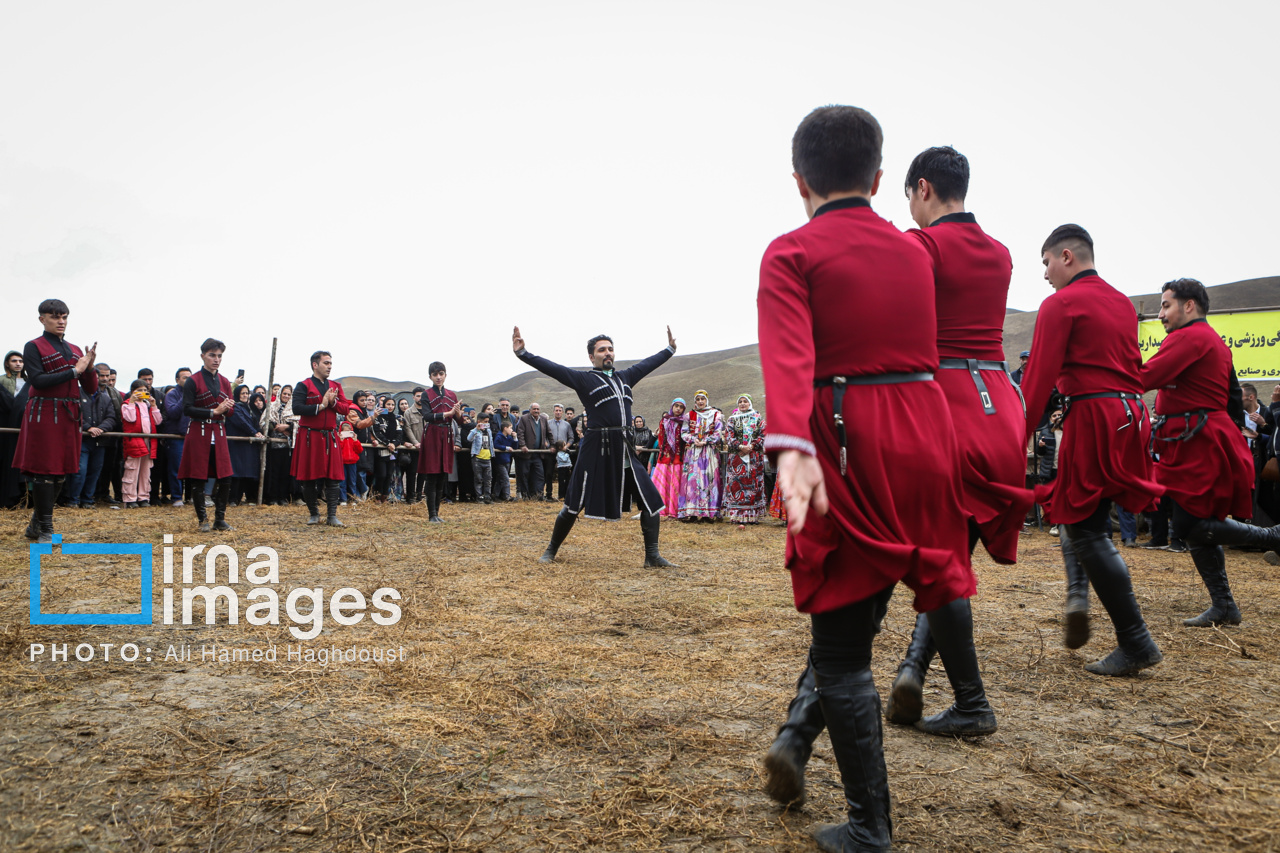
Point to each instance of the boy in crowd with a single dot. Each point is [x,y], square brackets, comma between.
[482,459]
[503,443]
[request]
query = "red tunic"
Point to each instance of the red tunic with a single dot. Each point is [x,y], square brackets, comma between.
[206,436]
[971,273]
[317,454]
[436,456]
[848,294]
[49,443]
[1210,475]
[1086,341]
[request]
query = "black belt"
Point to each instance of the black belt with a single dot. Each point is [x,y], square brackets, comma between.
[1098,395]
[55,401]
[975,367]
[838,384]
[628,432]
[1188,431]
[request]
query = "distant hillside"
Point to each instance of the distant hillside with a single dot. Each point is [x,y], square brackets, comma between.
[727,373]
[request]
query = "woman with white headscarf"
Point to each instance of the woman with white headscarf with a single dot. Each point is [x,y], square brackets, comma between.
[703,433]
[744,471]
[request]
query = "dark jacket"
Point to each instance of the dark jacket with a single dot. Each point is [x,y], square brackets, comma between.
[525,433]
[97,410]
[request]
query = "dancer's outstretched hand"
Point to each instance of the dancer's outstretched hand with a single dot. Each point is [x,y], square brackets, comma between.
[670,340]
[800,478]
[517,342]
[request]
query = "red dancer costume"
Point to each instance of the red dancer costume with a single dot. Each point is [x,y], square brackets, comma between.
[1086,344]
[435,459]
[833,304]
[206,399]
[48,446]
[317,452]
[1206,468]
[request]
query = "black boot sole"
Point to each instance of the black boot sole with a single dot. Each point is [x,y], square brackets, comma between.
[784,775]
[1075,628]
[906,700]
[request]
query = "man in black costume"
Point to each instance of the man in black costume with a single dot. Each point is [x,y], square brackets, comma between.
[607,461]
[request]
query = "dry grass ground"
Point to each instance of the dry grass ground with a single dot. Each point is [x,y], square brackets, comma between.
[593,705]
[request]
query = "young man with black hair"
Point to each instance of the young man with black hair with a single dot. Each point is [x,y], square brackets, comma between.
[111,482]
[440,406]
[1206,469]
[1085,344]
[206,400]
[413,427]
[176,421]
[317,456]
[49,444]
[871,500]
[607,461]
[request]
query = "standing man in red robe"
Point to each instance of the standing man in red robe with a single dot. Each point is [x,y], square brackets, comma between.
[1086,344]
[1206,468]
[871,499]
[48,446]
[317,455]
[206,399]
[435,459]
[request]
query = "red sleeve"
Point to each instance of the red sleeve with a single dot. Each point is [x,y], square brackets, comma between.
[1170,360]
[341,405]
[786,346]
[930,246]
[1048,352]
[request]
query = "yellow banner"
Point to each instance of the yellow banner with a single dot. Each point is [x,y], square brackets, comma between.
[1254,340]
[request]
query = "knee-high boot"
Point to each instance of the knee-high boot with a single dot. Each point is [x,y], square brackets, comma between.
[851,708]
[564,523]
[1228,531]
[1211,563]
[1075,616]
[906,698]
[309,497]
[785,761]
[1109,577]
[221,496]
[44,494]
[435,490]
[332,495]
[971,714]
[650,525]
[197,500]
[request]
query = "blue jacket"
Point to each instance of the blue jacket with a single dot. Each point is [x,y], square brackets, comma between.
[503,443]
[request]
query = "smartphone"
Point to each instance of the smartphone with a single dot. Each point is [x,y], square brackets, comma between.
[241,373]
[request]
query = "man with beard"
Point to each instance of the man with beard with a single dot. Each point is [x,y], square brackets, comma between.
[317,458]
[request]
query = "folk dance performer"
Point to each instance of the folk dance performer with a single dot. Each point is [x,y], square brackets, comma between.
[971,273]
[872,500]
[206,399]
[440,409]
[1206,468]
[317,455]
[1085,344]
[607,461]
[48,446]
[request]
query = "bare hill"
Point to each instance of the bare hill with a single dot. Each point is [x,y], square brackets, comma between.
[725,374]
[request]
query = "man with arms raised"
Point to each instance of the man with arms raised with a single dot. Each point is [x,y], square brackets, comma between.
[1204,465]
[1086,345]
[607,461]
[317,458]
[871,499]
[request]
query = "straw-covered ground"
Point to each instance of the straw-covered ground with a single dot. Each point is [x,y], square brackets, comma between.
[593,705]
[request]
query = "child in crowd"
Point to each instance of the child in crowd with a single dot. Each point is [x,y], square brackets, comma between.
[140,415]
[564,468]
[351,452]
[503,444]
[482,459]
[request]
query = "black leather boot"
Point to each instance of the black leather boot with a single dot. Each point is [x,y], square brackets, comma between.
[332,496]
[221,496]
[906,698]
[44,494]
[1075,617]
[197,501]
[435,490]
[650,524]
[1211,563]
[564,523]
[1228,531]
[1109,577]
[309,497]
[785,761]
[851,708]
[971,714]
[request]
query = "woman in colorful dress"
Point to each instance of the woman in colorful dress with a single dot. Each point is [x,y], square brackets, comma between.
[667,476]
[703,433]
[744,498]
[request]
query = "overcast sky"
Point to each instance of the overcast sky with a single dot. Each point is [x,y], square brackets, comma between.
[403,182]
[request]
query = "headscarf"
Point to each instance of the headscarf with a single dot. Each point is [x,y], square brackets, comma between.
[705,396]
[751,407]
[670,423]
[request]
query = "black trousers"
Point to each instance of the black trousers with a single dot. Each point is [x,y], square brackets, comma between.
[842,638]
